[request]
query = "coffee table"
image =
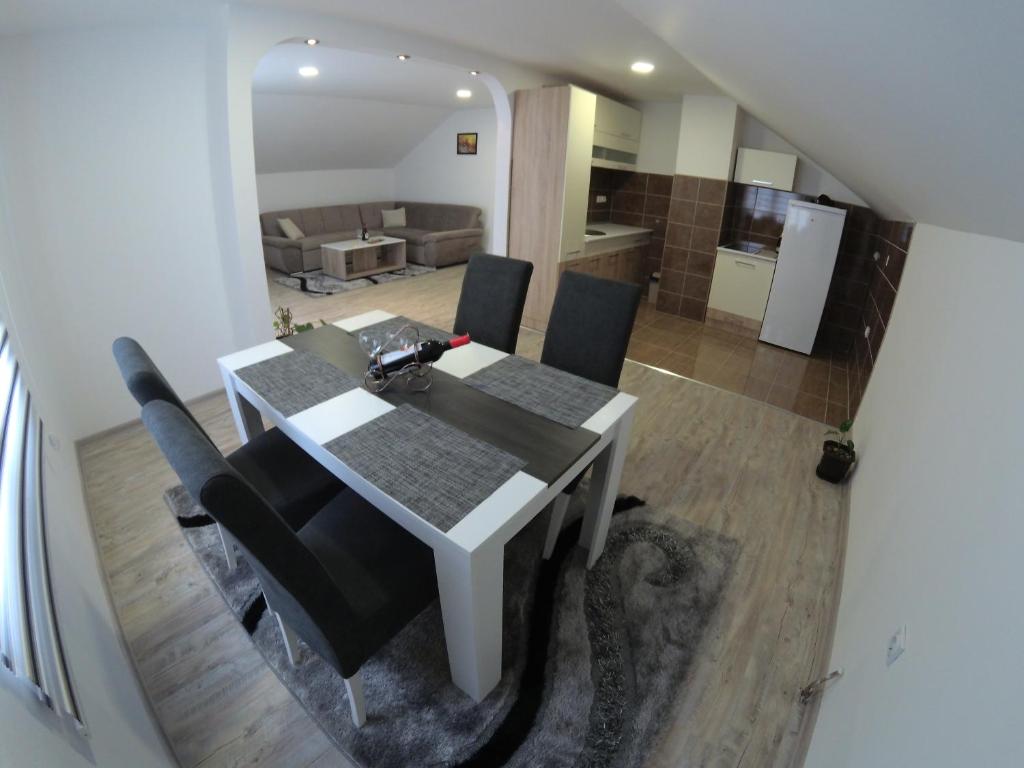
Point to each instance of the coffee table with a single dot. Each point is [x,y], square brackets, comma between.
[351,259]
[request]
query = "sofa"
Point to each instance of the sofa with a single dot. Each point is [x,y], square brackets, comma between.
[436,234]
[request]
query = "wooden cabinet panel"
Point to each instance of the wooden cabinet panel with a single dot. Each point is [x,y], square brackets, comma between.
[626,266]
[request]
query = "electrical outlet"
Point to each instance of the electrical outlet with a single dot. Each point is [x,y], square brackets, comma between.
[877,256]
[602,198]
[897,645]
[867,331]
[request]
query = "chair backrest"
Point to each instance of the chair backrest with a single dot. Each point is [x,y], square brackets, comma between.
[143,379]
[589,327]
[492,299]
[295,583]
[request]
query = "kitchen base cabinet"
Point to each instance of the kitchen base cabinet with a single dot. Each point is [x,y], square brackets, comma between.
[626,266]
[739,292]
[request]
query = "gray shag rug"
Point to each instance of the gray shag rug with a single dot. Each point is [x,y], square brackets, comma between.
[593,660]
[316,284]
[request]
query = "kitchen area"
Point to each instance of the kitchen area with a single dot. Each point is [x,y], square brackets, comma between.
[753,287]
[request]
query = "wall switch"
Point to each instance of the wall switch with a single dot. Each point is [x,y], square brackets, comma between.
[602,198]
[897,645]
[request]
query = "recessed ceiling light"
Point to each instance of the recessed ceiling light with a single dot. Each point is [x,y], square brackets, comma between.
[309,71]
[642,67]
[311,41]
[404,57]
[474,72]
[464,93]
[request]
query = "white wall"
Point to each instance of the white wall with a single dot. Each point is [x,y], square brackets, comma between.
[707,137]
[307,189]
[936,524]
[811,178]
[113,209]
[433,172]
[45,321]
[659,137]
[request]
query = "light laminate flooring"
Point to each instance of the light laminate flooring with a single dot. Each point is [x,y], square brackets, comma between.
[714,457]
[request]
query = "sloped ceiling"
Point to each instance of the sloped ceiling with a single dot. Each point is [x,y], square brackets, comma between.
[301,132]
[916,105]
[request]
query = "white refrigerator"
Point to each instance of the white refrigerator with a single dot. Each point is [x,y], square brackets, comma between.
[807,256]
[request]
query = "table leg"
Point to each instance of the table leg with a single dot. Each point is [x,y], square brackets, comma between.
[470,584]
[248,421]
[604,487]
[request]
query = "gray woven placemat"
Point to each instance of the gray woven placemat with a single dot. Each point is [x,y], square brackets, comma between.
[435,470]
[297,380]
[395,323]
[556,395]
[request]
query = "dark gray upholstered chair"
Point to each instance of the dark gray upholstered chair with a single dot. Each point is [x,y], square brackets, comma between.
[588,333]
[346,582]
[492,299]
[292,482]
[589,328]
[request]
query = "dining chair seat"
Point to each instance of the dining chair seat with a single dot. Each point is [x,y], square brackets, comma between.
[295,485]
[387,573]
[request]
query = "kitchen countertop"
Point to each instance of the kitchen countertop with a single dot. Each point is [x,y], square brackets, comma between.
[612,230]
[749,249]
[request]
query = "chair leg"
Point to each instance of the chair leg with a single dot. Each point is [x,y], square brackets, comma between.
[354,686]
[228,542]
[558,507]
[291,641]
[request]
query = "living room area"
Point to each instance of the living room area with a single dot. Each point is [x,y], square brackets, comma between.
[370,168]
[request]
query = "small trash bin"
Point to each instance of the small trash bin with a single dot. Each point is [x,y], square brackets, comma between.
[652,291]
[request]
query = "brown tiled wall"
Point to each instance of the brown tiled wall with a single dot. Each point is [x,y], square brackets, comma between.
[694,228]
[891,240]
[635,199]
[758,214]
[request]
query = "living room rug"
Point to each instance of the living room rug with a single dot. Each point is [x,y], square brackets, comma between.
[316,284]
[593,659]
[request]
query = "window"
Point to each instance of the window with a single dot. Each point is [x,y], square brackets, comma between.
[30,646]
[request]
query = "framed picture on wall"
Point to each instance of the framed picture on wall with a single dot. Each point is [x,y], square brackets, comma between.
[465,143]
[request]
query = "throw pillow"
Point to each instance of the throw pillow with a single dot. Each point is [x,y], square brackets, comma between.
[291,231]
[395,218]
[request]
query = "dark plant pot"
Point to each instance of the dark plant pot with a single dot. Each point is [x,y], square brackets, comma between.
[836,461]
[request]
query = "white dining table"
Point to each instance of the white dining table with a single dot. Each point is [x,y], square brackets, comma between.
[469,557]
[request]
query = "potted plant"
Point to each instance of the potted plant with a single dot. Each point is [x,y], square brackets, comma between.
[283,323]
[837,456]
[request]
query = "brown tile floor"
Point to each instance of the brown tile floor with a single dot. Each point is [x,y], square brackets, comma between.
[816,387]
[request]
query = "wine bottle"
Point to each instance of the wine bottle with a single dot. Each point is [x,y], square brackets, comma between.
[425,352]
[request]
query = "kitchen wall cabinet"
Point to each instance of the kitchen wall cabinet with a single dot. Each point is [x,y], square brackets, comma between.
[552,141]
[765,169]
[616,125]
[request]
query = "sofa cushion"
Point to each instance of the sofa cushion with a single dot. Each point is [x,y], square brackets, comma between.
[409,234]
[312,221]
[290,229]
[268,221]
[370,214]
[342,218]
[440,217]
[393,218]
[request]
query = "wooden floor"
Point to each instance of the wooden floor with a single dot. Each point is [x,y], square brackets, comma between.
[714,457]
